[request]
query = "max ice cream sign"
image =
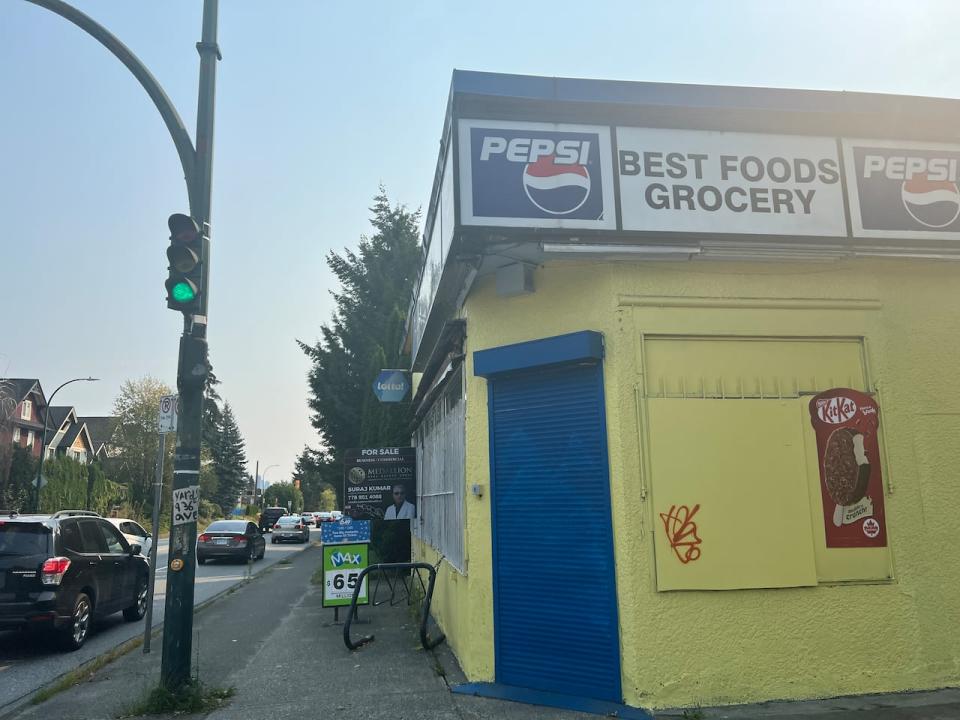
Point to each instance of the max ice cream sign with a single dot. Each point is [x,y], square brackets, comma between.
[845,422]
[903,190]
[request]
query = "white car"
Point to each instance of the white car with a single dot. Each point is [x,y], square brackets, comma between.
[134,533]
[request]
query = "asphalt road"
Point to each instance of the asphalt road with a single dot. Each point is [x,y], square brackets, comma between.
[28,663]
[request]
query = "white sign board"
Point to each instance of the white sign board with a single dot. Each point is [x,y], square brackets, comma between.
[697,181]
[186,504]
[167,415]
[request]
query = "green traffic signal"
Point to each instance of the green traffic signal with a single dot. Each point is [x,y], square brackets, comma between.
[183,292]
[185,256]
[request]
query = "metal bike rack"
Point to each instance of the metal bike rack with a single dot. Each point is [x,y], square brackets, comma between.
[425,640]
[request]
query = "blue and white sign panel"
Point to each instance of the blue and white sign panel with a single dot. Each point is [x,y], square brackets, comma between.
[903,189]
[391,385]
[545,175]
[345,530]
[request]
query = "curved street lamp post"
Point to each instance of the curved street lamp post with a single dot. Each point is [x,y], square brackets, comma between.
[192,367]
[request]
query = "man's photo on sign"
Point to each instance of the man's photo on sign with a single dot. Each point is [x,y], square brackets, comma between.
[400,508]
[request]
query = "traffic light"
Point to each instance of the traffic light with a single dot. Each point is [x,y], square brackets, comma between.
[185,255]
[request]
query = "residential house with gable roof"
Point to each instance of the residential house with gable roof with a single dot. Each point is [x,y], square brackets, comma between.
[27,403]
[68,436]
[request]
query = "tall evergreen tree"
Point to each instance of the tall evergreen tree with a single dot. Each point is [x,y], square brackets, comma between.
[229,461]
[376,283]
[212,414]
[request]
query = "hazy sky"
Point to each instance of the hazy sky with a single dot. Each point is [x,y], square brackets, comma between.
[317,104]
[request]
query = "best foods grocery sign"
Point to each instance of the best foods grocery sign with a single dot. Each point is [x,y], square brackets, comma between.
[630,179]
[713,182]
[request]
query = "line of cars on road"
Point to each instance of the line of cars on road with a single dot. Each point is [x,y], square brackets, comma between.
[60,572]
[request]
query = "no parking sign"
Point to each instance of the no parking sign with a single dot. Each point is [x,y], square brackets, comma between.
[167,415]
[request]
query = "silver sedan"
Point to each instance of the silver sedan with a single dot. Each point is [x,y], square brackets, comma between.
[290,527]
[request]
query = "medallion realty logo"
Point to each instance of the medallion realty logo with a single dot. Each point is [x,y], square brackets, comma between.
[904,189]
[535,174]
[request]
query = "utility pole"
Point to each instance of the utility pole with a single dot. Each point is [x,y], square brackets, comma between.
[192,371]
[192,368]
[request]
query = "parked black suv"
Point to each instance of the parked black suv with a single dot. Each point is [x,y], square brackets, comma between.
[269,517]
[61,571]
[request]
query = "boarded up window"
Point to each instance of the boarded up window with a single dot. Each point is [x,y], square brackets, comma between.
[733,462]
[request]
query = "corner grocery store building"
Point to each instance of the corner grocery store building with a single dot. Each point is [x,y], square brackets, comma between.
[631,293]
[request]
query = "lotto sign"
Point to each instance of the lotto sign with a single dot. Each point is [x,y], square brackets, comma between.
[341,571]
[345,530]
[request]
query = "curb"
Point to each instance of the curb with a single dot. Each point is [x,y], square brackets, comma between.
[8,710]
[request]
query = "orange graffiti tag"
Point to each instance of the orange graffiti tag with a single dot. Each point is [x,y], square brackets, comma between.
[682,532]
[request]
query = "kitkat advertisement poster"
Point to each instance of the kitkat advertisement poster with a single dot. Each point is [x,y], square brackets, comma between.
[848,451]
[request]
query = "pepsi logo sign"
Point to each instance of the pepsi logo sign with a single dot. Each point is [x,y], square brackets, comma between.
[555,188]
[836,410]
[536,175]
[904,190]
[555,174]
[933,203]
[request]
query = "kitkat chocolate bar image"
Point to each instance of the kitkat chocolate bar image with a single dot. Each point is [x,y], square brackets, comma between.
[845,422]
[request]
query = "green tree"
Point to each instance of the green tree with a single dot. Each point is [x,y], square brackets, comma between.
[212,414]
[16,489]
[364,336]
[313,469]
[279,494]
[229,462]
[136,443]
[328,499]
[69,483]
[11,497]
[208,475]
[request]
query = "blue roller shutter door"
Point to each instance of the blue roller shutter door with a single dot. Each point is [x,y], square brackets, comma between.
[555,600]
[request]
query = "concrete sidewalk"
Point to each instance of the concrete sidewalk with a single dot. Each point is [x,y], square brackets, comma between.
[273,642]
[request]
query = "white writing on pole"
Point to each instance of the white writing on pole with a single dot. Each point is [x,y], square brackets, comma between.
[186,503]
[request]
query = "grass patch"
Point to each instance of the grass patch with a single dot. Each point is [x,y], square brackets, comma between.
[194,697]
[693,714]
[84,672]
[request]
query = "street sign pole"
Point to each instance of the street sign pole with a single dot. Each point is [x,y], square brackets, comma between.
[166,423]
[192,370]
[155,534]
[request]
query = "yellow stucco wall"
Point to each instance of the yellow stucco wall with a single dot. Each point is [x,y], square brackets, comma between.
[698,647]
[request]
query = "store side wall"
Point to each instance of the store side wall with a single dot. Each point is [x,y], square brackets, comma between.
[689,647]
[683,648]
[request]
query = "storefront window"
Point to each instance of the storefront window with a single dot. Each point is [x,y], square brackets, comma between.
[440,456]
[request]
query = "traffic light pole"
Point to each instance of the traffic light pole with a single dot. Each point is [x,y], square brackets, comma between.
[192,373]
[193,368]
